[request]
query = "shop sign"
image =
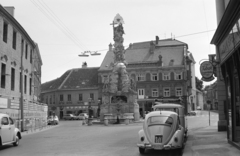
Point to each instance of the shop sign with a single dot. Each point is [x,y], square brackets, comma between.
[206,70]
[3,103]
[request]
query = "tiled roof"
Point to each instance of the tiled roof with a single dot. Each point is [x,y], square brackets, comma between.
[54,84]
[80,78]
[139,53]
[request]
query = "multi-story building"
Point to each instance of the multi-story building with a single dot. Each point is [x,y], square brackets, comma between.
[73,92]
[161,69]
[227,42]
[20,62]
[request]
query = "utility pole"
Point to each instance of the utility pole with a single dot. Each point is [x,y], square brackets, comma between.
[21,88]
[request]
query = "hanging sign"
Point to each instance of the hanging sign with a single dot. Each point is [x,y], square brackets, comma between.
[206,70]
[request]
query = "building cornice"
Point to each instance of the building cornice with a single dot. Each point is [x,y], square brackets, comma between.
[16,24]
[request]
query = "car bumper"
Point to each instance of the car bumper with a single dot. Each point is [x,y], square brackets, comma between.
[158,147]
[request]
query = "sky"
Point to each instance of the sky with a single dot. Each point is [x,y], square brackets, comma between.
[64,29]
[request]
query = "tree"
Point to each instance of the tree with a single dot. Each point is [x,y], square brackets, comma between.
[199,83]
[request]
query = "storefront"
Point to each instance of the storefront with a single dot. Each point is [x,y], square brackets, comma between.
[227,41]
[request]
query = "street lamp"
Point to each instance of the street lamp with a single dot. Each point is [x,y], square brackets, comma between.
[89,111]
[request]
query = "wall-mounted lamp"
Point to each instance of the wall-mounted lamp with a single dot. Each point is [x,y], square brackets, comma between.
[212,59]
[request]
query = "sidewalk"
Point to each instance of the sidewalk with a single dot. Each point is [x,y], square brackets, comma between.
[208,141]
[32,131]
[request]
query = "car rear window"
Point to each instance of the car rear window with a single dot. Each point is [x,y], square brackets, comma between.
[168,109]
[166,120]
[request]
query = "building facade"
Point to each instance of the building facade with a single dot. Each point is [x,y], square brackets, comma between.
[18,80]
[161,69]
[227,42]
[73,93]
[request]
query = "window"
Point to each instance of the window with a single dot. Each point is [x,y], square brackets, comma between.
[5,32]
[92,96]
[61,97]
[3,75]
[154,76]
[31,52]
[53,99]
[178,91]
[69,97]
[30,86]
[166,92]
[26,51]
[11,121]
[166,76]
[141,93]
[25,84]
[46,99]
[80,97]
[14,40]
[105,78]
[140,77]
[178,76]
[5,121]
[154,92]
[12,78]
[50,99]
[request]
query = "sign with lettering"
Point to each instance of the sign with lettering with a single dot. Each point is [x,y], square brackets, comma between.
[206,70]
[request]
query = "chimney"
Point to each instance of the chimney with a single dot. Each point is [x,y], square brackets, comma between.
[84,65]
[130,46]
[110,47]
[10,10]
[157,39]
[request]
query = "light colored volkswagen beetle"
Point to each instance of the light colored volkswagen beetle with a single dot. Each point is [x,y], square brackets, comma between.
[161,131]
[9,134]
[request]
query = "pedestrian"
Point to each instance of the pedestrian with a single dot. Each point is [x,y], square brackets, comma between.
[84,120]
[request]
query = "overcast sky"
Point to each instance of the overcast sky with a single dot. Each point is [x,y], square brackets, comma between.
[65,28]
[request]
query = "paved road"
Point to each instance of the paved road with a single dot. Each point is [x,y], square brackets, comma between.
[70,138]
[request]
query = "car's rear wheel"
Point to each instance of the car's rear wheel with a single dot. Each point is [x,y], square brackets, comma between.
[141,150]
[16,143]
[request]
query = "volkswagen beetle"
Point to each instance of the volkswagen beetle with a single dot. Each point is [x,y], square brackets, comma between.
[161,131]
[9,134]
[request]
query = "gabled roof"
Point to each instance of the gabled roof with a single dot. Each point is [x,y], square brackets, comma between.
[82,78]
[136,53]
[79,78]
[54,84]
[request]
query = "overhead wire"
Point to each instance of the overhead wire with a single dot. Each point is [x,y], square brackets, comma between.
[57,22]
[60,22]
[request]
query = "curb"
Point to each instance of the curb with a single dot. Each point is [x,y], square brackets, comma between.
[33,131]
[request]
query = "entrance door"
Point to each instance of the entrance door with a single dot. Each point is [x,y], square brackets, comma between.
[236,109]
[61,114]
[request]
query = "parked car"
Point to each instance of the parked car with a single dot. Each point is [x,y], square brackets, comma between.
[50,120]
[69,117]
[161,131]
[82,116]
[177,108]
[55,120]
[192,113]
[199,108]
[9,134]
